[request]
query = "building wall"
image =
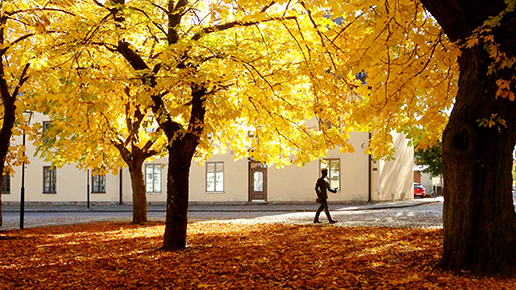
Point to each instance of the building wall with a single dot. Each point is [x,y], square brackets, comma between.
[426,182]
[396,177]
[235,180]
[392,180]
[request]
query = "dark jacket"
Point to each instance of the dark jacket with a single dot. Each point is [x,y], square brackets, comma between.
[322,187]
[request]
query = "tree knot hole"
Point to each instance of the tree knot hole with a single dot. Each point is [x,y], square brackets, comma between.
[461,139]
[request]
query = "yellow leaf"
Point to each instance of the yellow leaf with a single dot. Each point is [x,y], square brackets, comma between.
[472,41]
[40,27]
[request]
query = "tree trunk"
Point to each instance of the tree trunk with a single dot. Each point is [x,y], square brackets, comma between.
[9,118]
[177,198]
[139,192]
[5,138]
[180,154]
[478,217]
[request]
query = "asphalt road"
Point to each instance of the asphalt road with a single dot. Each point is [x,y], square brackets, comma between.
[427,215]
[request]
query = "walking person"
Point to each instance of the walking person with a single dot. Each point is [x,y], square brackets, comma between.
[321,188]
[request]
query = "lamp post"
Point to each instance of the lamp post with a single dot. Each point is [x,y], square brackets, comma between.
[27,115]
[88,189]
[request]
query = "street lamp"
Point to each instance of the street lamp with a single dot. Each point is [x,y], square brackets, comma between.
[27,115]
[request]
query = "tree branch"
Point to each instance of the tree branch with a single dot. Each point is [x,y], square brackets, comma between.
[174,19]
[23,79]
[229,25]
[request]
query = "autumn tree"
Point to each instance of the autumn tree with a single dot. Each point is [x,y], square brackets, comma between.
[100,121]
[24,42]
[99,127]
[222,73]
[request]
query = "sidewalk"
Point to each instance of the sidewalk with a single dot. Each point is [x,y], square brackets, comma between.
[220,206]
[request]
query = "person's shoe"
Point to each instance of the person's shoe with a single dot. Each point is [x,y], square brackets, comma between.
[333,221]
[317,222]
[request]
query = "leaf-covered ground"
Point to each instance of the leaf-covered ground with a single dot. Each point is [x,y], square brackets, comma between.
[229,256]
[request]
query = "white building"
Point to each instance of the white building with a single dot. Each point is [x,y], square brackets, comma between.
[223,180]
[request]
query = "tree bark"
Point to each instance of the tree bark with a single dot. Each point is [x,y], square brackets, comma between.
[478,216]
[139,192]
[6,131]
[134,158]
[9,104]
[178,176]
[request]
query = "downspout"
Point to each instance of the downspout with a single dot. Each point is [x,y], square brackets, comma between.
[88,189]
[120,186]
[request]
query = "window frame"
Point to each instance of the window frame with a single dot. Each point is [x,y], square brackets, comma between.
[331,173]
[98,189]
[6,183]
[52,188]
[216,164]
[154,165]
[46,125]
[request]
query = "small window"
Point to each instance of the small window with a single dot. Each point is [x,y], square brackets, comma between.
[153,178]
[98,183]
[49,179]
[215,177]
[46,127]
[6,184]
[333,166]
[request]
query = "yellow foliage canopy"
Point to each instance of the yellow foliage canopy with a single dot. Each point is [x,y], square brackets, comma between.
[267,67]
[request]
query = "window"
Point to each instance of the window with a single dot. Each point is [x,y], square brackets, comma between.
[333,166]
[214,176]
[49,179]
[99,183]
[6,184]
[153,178]
[46,127]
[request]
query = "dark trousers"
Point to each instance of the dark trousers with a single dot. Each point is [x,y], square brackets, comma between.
[324,205]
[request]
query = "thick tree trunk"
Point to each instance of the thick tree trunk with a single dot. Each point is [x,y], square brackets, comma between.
[139,192]
[5,138]
[9,104]
[177,198]
[479,218]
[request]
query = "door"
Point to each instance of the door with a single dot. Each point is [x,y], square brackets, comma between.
[257,181]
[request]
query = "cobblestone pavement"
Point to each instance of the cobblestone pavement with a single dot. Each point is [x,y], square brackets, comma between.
[424,215]
[418,213]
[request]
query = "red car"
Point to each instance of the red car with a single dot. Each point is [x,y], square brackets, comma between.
[419,190]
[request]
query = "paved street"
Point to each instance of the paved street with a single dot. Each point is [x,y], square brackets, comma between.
[417,213]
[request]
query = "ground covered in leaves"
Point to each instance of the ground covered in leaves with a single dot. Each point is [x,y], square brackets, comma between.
[229,256]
